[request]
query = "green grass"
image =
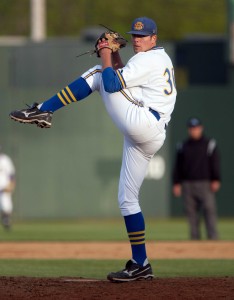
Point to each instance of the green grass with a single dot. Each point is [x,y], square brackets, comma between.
[105,230]
[100,268]
[109,230]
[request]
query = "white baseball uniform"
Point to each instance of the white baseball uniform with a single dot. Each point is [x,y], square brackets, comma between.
[7,171]
[139,98]
[148,84]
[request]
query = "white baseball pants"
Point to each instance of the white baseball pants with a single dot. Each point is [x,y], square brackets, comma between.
[143,134]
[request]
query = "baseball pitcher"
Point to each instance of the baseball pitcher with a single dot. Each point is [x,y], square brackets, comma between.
[139,97]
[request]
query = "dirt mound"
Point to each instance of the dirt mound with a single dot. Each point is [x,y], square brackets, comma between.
[16,288]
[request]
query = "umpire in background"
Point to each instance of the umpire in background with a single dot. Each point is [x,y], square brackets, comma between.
[196,176]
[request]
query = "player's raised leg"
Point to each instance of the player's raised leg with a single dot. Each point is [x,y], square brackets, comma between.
[41,114]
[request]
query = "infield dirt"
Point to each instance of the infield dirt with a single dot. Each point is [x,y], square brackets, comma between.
[117,250]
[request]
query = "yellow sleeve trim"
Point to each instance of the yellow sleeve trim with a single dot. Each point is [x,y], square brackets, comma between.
[121,79]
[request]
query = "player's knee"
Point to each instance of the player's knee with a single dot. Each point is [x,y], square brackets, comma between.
[129,207]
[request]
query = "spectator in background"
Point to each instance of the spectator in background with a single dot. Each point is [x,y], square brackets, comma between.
[196,177]
[7,186]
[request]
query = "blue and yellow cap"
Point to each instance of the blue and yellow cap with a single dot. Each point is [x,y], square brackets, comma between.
[143,26]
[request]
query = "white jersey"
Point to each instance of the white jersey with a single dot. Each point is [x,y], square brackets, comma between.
[149,77]
[147,86]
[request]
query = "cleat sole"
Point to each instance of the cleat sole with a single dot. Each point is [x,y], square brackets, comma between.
[141,278]
[39,123]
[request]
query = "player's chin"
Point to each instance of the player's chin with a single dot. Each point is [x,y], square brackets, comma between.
[136,49]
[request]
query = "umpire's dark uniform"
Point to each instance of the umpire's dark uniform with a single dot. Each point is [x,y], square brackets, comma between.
[196,167]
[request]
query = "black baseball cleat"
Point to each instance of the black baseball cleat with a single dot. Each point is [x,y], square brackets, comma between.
[33,115]
[132,272]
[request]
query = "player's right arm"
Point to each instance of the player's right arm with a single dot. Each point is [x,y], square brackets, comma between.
[110,80]
[116,61]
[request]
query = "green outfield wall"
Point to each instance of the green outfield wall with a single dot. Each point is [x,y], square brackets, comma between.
[71,170]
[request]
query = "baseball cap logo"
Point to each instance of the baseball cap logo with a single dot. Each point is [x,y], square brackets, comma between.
[143,26]
[138,26]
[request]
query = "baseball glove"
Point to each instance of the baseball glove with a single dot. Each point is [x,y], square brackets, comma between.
[110,39]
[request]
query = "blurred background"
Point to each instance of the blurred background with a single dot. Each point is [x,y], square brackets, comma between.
[72,170]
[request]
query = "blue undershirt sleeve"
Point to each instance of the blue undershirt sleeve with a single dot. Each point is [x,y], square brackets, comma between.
[110,80]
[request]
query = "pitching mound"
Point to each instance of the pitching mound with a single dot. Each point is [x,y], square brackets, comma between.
[16,288]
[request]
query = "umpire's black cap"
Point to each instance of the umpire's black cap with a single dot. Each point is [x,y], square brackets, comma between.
[194,122]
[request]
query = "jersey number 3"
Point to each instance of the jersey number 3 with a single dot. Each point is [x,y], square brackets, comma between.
[170,76]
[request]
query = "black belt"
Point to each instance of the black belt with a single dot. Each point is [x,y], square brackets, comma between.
[155,113]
